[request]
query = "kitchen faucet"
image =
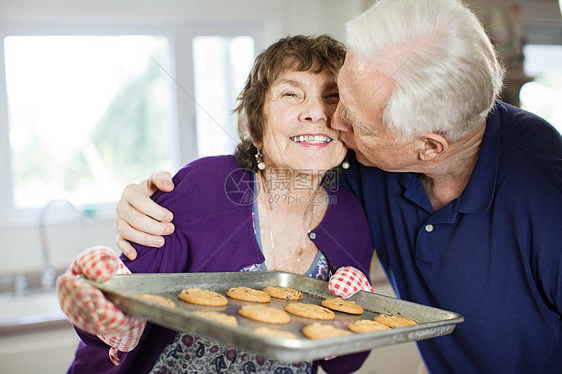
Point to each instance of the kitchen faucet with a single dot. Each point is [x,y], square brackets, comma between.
[48,274]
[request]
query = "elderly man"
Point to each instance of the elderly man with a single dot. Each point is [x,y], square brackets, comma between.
[463,193]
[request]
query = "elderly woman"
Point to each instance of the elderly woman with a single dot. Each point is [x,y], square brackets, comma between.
[273,205]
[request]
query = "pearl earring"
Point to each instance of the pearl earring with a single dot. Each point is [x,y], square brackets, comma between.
[259,160]
[345,164]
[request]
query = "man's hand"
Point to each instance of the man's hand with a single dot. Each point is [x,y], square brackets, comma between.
[139,219]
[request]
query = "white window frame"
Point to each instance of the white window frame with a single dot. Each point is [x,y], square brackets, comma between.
[184,137]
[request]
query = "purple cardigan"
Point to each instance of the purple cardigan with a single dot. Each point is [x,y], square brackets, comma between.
[212,206]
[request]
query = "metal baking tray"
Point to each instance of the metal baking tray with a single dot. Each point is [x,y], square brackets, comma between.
[123,290]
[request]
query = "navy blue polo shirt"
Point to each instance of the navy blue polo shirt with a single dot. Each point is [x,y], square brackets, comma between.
[494,254]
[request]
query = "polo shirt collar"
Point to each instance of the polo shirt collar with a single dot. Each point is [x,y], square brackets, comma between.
[481,188]
[479,192]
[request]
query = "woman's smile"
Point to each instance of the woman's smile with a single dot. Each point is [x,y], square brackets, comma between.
[312,140]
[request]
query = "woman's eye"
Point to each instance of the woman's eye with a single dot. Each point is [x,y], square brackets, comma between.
[292,96]
[332,98]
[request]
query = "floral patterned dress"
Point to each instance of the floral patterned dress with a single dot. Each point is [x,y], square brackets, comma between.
[191,354]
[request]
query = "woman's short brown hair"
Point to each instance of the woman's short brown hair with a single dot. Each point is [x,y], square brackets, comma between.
[299,52]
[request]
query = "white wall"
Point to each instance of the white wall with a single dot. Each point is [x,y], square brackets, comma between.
[281,17]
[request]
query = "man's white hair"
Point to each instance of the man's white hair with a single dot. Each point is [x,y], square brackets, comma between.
[444,71]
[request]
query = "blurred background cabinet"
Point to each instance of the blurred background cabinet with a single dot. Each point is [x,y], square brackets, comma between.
[46,350]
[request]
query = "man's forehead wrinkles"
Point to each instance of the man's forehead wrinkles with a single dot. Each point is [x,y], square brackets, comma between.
[386,82]
[350,91]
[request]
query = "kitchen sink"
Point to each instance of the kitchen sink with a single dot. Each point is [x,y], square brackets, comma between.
[30,308]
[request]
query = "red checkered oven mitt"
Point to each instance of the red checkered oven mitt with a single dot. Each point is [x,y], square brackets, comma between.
[347,281]
[88,309]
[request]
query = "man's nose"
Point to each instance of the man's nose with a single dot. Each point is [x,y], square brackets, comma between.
[338,123]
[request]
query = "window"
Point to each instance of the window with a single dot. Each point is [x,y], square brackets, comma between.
[88,112]
[542,28]
[87,115]
[543,95]
[221,68]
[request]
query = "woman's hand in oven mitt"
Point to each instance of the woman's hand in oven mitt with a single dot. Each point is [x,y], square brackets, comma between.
[87,307]
[347,281]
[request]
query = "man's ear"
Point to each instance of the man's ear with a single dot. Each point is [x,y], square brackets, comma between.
[432,146]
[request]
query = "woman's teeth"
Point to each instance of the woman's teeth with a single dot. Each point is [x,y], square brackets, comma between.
[313,139]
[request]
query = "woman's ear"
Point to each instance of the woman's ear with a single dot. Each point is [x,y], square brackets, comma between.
[258,145]
[432,146]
